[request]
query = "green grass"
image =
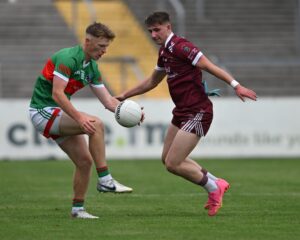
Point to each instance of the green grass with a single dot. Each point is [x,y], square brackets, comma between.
[263,202]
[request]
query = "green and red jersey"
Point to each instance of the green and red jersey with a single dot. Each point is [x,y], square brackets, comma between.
[68,64]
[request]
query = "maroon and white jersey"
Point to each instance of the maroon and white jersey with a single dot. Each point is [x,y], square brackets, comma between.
[178,58]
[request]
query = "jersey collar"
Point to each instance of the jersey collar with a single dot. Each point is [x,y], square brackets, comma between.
[169,38]
[85,64]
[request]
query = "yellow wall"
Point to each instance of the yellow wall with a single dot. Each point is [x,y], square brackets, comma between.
[131,40]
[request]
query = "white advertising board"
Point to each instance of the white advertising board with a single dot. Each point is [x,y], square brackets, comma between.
[266,128]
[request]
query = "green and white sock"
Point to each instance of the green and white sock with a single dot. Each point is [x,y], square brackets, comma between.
[103,174]
[77,205]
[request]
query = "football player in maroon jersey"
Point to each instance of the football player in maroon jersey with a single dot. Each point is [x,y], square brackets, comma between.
[183,63]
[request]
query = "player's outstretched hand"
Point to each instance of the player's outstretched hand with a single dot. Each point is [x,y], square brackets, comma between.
[120,97]
[243,93]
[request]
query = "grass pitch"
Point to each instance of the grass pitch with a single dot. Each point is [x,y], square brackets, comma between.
[263,202]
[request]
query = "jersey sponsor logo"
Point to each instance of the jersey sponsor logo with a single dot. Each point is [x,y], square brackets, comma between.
[64,70]
[170,73]
[168,70]
[87,78]
[81,73]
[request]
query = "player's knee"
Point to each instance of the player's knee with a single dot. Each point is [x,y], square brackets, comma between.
[99,124]
[170,166]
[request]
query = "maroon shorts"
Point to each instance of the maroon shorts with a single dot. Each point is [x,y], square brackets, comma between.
[197,123]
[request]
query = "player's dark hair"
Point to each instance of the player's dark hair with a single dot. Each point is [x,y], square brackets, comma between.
[157,18]
[100,30]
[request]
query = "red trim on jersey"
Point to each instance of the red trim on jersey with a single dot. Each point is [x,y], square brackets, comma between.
[73,86]
[50,123]
[64,69]
[48,70]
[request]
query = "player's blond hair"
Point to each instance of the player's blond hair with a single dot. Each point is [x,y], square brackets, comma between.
[100,30]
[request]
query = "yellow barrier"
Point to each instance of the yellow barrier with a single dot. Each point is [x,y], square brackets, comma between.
[131,41]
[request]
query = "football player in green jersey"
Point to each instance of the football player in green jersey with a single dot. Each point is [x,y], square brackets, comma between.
[54,116]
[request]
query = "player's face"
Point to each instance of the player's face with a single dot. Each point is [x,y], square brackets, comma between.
[160,32]
[96,47]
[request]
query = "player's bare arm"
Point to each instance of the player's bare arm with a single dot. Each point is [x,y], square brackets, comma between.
[84,121]
[144,86]
[205,64]
[105,98]
[242,92]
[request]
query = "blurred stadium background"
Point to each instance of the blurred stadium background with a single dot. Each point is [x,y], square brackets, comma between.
[257,41]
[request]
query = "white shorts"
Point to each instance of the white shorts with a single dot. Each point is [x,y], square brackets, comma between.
[46,121]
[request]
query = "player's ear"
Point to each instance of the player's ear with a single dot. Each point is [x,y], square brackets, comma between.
[88,39]
[169,27]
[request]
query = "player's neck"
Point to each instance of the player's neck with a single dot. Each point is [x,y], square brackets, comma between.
[87,57]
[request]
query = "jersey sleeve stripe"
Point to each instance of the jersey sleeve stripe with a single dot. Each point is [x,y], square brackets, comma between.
[61,76]
[196,59]
[98,85]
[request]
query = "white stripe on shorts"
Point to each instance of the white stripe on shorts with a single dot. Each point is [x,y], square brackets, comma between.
[194,123]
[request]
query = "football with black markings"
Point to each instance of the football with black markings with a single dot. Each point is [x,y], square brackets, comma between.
[128,113]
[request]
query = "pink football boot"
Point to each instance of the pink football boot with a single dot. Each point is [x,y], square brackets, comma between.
[214,202]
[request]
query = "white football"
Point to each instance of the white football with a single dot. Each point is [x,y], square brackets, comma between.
[128,113]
